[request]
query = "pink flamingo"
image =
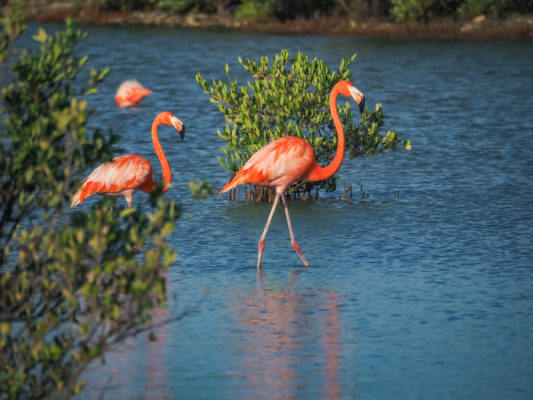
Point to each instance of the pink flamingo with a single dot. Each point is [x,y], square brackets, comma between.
[130,93]
[125,174]
[290,159]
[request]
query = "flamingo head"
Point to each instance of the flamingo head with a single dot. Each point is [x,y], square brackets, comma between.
[348,89]
[168,118]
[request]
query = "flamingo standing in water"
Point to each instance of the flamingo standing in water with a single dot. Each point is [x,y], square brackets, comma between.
[290,159]
[125,174]
[130,93]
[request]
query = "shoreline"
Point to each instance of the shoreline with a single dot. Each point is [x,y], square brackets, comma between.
[480,27]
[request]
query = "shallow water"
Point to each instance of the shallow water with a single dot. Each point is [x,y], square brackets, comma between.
[425,296]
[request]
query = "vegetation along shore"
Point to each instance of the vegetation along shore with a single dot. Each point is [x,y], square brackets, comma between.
[379,18]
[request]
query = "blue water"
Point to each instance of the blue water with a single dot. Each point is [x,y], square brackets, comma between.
[429,295]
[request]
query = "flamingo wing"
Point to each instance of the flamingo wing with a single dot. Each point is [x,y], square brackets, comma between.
[115,178]
[284,161]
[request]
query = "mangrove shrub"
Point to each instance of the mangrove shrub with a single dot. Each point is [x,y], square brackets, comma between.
[72,284]
[289,96]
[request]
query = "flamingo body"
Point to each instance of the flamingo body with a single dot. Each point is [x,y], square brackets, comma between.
[280,163]
[290,159]
[126,174]
[120,177]
[130,93]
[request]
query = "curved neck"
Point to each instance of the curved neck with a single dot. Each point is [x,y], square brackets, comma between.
[167,173]
[319,173]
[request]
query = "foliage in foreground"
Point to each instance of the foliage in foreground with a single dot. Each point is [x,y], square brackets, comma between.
[72,284]
[290,97]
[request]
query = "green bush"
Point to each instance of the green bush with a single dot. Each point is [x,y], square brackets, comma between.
[200,190]
[290,97]
[252,10]
[177,6]
[192,6]
[424,10]
[72,284]
[471,8]
[427,10]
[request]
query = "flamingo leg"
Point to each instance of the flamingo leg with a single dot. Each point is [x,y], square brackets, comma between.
[263,236]
[295,245]
[129,200]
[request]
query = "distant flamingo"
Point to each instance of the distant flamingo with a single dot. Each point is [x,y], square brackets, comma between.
[130,92]
[290,159]
[125,174]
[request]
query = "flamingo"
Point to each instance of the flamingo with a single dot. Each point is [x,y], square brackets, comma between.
[290,159]
[130,93]
[125,174]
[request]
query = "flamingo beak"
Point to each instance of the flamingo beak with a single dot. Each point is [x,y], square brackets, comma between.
[362,105]
[176,123]
[358,97]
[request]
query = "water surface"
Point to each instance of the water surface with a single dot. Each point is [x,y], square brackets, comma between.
[425,296]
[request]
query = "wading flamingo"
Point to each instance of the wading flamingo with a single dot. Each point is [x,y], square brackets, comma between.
[130,93]
[125,174]
[290,159]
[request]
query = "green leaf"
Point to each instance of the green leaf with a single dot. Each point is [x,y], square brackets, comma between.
[127,212]
[5,328]
[41,36]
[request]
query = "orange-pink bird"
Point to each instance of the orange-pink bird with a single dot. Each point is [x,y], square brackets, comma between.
[125,174]
[290,159]
[130,93]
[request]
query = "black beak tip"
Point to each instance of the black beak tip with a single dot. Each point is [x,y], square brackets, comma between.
[182,133]
[362,105]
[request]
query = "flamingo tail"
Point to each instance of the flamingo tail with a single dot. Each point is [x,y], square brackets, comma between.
[232,183]
[88,189]
[76,199]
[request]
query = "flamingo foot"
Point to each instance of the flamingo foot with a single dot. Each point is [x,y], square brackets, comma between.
[296,247]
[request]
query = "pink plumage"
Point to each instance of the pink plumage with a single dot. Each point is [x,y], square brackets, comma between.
[281,162]
[130,93]
[120,177]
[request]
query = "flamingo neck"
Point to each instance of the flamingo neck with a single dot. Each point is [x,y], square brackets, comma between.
[320,173]
[167,173]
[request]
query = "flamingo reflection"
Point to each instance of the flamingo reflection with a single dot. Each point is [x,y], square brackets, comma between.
[292,340]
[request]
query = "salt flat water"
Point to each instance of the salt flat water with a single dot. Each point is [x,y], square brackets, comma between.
[425,296]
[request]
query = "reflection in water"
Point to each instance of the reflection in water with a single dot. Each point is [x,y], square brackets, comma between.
[154,367]
[330,342]
[288,336]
